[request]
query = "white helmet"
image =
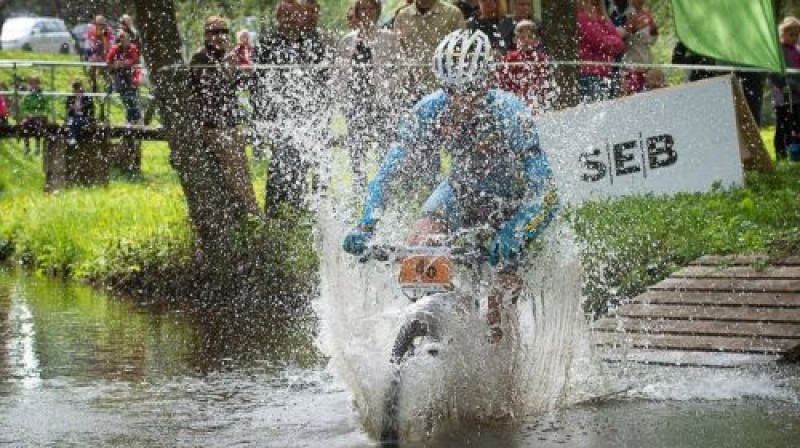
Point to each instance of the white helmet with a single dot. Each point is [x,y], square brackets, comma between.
[462,58]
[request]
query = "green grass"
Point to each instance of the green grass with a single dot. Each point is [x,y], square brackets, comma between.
[634,242]
[92,232]
[128,229]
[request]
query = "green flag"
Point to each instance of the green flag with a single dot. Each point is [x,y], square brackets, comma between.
[736,31]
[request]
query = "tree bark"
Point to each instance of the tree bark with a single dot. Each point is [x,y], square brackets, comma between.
[559,36]
[215,181]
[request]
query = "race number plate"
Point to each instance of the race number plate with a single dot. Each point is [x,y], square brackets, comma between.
[426,274]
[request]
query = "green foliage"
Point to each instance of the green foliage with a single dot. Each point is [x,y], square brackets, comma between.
[91,232]
[634,242]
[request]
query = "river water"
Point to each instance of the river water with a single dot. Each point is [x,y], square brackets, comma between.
[82,368]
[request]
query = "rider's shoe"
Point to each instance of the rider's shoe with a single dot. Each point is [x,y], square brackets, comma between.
[495,335]
[431,348]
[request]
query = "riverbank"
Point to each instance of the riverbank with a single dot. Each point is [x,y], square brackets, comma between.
[133,235]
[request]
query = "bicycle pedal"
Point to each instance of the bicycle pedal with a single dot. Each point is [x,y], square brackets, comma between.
[431,349]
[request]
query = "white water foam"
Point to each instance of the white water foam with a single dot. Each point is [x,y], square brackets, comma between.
[361,309]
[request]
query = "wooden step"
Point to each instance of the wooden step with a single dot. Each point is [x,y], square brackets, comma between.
[759,299]
[697,343]
[684,358]
[748,272]
[727,284]
[699,328]
[722,313]
[722,260]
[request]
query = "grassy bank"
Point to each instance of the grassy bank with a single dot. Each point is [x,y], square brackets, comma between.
[91,233]
[637,241]
[134,234]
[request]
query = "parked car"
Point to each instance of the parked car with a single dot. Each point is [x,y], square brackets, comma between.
[45,34]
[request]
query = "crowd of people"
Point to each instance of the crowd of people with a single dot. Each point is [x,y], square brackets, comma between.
[377,70]
[118,52]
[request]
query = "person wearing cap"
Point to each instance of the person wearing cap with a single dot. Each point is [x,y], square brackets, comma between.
[215,106]
[500,177]
[214,78]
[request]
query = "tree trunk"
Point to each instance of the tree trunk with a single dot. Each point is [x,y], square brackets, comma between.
[560,38]
[211,165]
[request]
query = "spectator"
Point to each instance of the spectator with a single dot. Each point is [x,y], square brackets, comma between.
[681,54]
[421,27]
[390,23]
[786,89]
[122,60]
[35,107]
[640,33]
[4,113]
[654,79]
[243,53]
[243,49]
[617,11]
[530,76]
[369,84]
[80,111]
[488,20]
[214,79]
[469,8]
[293,103]
[311,23]
[520,10]
[99,38]
[598,41]
[126,24]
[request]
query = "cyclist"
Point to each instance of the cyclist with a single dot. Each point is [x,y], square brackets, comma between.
[499,177]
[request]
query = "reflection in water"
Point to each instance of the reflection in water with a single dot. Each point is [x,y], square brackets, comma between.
[56,329]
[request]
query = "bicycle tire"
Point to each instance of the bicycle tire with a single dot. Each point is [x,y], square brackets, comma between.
[391,402]
[405,338]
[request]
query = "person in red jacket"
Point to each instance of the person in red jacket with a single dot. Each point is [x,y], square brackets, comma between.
[598,41]
[122,60]
[527,72]
[3,105]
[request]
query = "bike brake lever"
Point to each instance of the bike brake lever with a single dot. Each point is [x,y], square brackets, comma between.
[376,253]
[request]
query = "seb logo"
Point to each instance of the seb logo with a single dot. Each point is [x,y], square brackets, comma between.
[631,157]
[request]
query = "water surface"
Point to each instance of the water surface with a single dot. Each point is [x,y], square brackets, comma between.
[82,368]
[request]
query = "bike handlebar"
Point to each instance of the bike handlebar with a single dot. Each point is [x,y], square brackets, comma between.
[386,252]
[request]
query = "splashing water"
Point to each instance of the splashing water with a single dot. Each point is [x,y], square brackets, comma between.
[362,308]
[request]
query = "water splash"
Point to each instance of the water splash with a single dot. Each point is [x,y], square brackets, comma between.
[361,309]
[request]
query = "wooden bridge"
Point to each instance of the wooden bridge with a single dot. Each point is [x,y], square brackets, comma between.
[719,311]
[101,148]
[99,131]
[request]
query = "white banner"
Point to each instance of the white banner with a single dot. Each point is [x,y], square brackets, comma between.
[678,139]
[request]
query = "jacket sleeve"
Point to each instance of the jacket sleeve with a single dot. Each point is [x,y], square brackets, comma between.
[112,53]
[376,192]
[541,198]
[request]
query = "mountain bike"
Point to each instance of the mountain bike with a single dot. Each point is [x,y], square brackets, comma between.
[443,284]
